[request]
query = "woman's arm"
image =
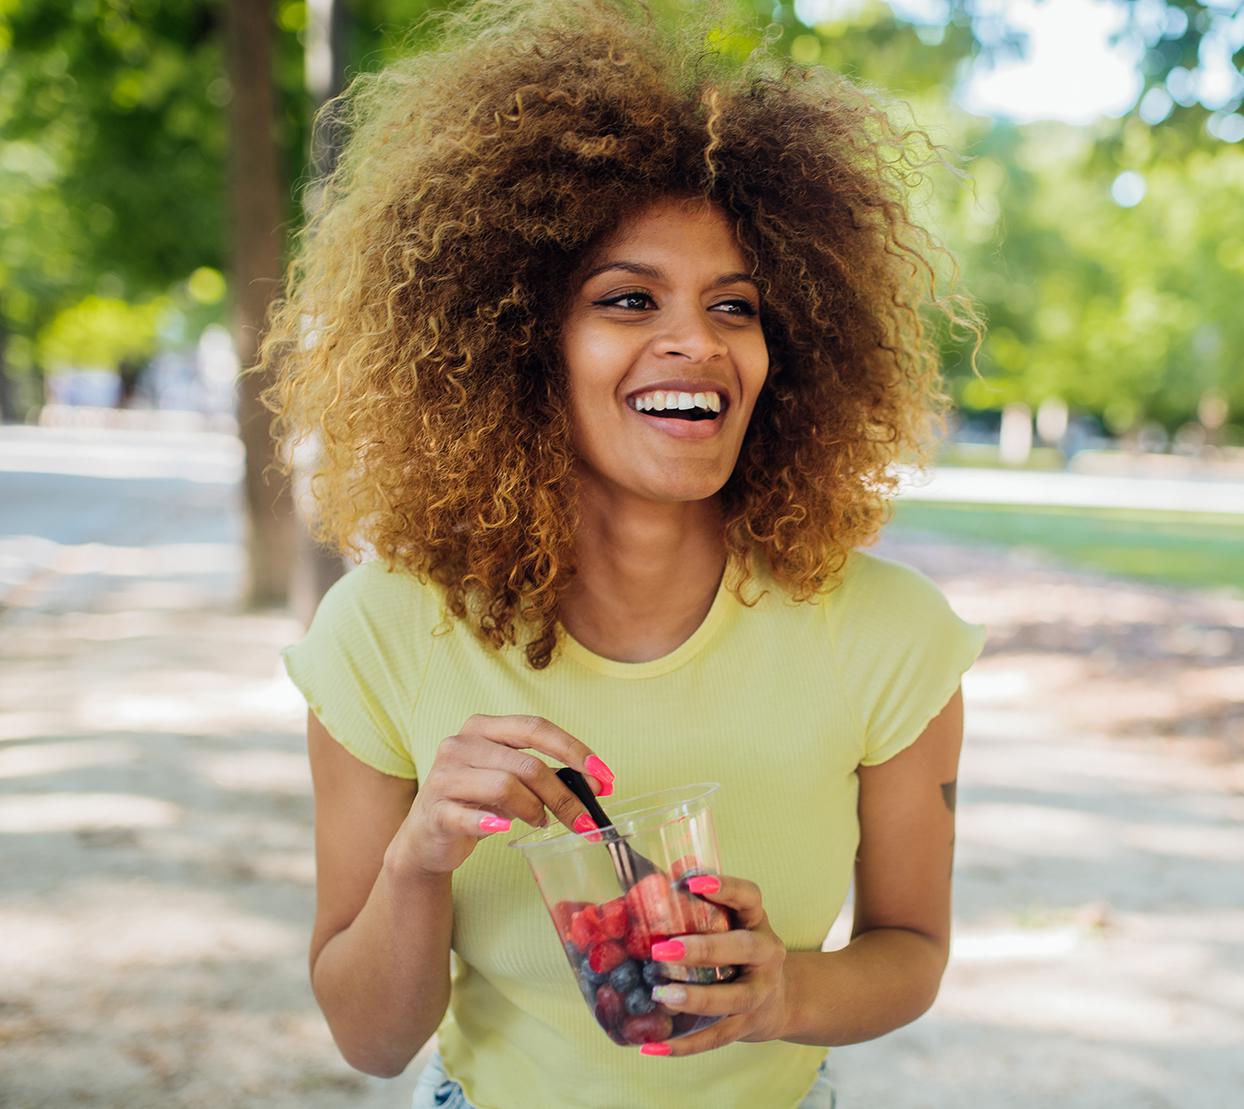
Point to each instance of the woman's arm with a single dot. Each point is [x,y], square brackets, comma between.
[380,943]
[889,973]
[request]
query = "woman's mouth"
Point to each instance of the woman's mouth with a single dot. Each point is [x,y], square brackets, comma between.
[686,423]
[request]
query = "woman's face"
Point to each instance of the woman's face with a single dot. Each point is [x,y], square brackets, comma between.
[666,307]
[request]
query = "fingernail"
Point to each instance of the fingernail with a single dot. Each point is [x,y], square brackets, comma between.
[599,770]
[704,883]
[668,949]
[495,823]
[584,823]
[655,1049]
[675,995]
[606,788]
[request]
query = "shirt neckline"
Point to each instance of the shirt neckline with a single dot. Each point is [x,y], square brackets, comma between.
[719,610]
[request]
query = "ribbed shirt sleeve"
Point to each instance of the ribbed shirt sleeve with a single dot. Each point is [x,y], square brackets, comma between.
[902,650]
[356,670]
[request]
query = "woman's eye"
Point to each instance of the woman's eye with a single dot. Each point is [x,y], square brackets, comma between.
[625,296]
[743,307]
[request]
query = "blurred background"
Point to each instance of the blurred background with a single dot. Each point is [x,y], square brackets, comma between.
[156,888]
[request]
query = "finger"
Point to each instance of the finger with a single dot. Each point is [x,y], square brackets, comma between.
[721,1000]
[725,1031]
[459,819]
[497,791]
[739,894]
[738,948]
[532,785]
[545,736]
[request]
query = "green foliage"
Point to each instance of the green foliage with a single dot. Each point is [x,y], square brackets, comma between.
[1126,311]
[113,155]
[102,332]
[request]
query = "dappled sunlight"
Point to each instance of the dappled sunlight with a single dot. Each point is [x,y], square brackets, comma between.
[257,771]
[199,456]
[33,814]
[115,924]
[153,560]
[1031,830]
[50,758]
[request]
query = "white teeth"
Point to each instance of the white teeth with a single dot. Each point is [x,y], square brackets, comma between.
[658,401]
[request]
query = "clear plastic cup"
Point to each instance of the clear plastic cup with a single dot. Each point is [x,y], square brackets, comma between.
[607,933]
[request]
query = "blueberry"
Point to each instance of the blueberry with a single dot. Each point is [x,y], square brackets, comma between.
[624,976]
[639,1001]
[653,972]
[596,977]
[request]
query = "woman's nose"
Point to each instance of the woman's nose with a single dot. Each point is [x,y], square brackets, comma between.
[690,333]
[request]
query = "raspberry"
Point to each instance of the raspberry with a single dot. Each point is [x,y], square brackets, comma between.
[585,927]
[613,918]
[603,957]
[562,913]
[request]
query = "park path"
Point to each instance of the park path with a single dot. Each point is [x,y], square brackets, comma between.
[155,816]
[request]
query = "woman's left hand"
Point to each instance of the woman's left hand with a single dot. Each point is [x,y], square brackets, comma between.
[753,1006]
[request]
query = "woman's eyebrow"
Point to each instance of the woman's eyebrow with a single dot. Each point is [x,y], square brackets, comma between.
[645,270]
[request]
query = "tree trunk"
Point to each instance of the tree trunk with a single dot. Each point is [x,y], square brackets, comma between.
[256,204]
[319,566]
[8,408]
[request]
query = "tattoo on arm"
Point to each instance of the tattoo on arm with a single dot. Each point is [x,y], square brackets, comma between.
[948,794]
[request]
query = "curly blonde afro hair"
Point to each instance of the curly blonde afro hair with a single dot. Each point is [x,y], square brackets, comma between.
[417,344]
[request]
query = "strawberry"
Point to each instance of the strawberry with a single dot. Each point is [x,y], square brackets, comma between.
[603,957]
[613,918]
[562,913]
[639,940]
[652,901]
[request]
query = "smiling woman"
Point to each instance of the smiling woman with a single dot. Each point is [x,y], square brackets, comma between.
[594,328]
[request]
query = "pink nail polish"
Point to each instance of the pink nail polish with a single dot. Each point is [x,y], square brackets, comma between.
[704,883]
[668,949]
[606,788]
[598,769]
[655,1049]
[584,823]
[495,823]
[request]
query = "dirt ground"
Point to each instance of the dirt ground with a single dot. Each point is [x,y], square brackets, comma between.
[156,876]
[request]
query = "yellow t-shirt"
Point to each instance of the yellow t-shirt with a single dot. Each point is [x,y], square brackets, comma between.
[780,703]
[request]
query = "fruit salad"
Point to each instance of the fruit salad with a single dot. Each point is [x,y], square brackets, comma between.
[609,946]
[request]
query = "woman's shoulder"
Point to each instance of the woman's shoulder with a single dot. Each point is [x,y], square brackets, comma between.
[376,582]
[885,586]
[375,598]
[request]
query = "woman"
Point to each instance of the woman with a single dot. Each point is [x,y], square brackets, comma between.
[550,228]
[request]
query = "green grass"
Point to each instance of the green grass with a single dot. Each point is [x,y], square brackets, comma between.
[1176,548]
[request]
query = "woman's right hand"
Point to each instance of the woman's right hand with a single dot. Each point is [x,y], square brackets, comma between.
[484,771]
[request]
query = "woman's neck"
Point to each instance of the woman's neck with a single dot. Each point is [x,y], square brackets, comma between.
[645,578]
